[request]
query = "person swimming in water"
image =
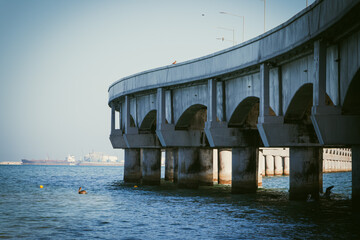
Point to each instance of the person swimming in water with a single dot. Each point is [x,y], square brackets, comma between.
[82,191]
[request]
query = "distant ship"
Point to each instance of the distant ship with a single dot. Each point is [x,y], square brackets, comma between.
[70,160]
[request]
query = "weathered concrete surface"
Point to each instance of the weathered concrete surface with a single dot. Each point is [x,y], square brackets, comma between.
[225,166]
[206,166]
[132,170]
[189,168]
[356,173]
[150,166]
[269,165]
[169,164]
[244,170]
[305,173]
[215,166]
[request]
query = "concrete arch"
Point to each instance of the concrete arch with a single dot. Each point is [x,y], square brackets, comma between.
[299,108]
[351,104]
[132,121]
[193,117]
[246,114]
[148,124]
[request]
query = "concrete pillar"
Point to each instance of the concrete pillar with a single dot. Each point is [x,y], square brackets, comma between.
[305,172]
[278,166]
[189,168]
[215,165]
[261,163]
[356,174]
[150,166]
[176,169]
[269,165]
[225,165]
[169,164]
[244,170]
[206,167]
[132,170]
[286,166]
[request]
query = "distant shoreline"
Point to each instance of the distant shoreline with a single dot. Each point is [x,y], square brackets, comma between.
[58,164]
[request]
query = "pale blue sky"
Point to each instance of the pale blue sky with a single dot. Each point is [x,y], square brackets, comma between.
[58,58]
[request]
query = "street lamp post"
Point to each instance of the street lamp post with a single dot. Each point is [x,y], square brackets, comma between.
[229,29]
[243,18]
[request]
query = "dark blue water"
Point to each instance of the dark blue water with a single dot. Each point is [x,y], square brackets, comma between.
[114,210]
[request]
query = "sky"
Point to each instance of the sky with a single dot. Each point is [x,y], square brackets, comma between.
[58,58]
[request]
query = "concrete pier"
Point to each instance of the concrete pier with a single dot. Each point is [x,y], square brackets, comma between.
[305,172]
[132,170]
[206,166]
[278,166]
[356,173]
[269,165]
[176,164]
[215,166]
[286,165]
[169,164]
[244,170]
[150,166]
[189,168]
[225,166]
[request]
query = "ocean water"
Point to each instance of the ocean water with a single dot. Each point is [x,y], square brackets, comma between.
[114,210]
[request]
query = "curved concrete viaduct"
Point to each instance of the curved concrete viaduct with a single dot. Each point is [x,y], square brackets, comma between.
[294,86]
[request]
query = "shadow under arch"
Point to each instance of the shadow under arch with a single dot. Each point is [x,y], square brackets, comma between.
[351,105]
[192,118]
[299,109]
[149,122]
[246,114]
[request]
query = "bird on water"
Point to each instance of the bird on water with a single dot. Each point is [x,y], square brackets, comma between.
[82,191]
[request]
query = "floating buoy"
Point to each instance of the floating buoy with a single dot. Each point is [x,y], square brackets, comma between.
[41,186]
[135,186]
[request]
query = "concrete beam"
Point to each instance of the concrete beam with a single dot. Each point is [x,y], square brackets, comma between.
[117,139]
[169,137]
[336,129]
[141,140]
[219,135]
[275,133]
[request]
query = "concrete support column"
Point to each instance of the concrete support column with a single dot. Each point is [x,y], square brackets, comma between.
[189,168]
[305,172]
[176,160]
[286,166]
[132,170]
[169,165]
[113,117]
[225,165]
[215,165]
[279,170]
[206,166]
[356,173]
[261,163]
[150,166]
[244,170]
[269,165]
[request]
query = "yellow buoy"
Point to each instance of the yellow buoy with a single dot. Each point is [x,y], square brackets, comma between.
[135,186]
[41,186]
